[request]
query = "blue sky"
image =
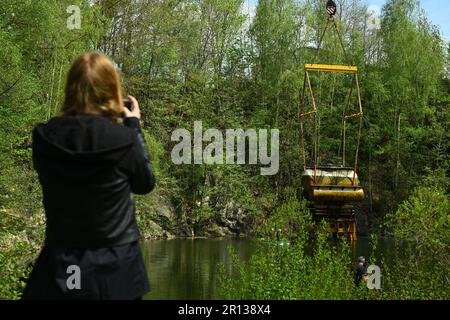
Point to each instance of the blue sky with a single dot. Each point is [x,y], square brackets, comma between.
[438,11]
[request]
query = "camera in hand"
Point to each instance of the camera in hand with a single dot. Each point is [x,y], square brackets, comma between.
[127,104]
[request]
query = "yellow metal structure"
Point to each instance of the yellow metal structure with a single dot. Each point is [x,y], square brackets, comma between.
[332,191]
[343,226]
[332,185]
[331,67]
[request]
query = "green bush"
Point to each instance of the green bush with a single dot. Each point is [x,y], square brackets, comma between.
[15,251]
[423,218]
[295,269]
[421,267]
[305,268]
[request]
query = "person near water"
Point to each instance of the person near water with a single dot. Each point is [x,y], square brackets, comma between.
[90,161]
[360,270]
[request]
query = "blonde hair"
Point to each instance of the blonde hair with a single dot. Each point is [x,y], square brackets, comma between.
[93,85]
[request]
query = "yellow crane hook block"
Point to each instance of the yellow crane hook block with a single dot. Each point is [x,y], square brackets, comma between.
[331,67]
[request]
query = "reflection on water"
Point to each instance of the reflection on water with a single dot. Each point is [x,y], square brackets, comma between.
[188,268]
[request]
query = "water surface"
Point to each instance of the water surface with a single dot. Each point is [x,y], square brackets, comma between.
[182,269]
[188,268]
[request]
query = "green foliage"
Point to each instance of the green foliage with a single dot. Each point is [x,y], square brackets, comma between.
[405,126]
[14,269]
[22,228]
[319,269]
[280,270]
[202,60]
[303,269]
[422,221]
[415,274]
[424,218]
[289,219]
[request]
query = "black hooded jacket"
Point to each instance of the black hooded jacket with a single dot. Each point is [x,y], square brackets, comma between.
[89,167]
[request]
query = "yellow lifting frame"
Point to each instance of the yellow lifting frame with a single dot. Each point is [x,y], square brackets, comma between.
[329,67]
[346,225]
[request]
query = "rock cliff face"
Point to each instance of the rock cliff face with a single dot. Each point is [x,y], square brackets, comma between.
[215,213]
[156,216]
[160,220]
[232,218]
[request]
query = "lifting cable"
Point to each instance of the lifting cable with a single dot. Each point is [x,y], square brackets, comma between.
[308,87]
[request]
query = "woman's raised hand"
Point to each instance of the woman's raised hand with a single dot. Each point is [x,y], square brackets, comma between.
[135,111]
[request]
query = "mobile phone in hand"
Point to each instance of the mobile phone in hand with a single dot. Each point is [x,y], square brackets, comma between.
[127,104]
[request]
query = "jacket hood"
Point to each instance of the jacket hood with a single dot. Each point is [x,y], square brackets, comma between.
[80,146]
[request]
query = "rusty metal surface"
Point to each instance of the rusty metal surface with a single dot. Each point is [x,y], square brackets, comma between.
[332,185]
[338,195]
